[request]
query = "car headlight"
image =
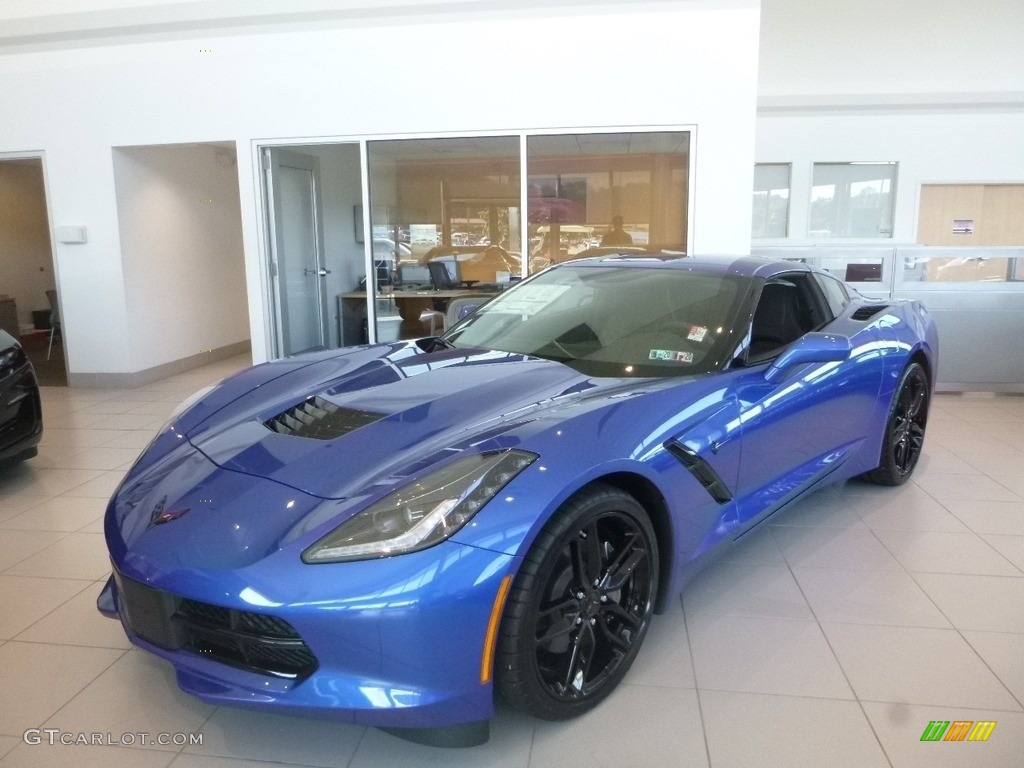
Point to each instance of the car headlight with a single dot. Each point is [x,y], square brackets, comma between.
[423,513]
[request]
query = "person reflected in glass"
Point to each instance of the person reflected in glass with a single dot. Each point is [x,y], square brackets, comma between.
[617,235]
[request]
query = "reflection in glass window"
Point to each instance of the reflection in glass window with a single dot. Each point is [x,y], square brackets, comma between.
[771,200]
[852,200]
[620,190]
[961,265]
[615,321]
[835,293]
[451,203]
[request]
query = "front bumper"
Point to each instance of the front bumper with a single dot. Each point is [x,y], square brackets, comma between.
[21,414]
[394,643]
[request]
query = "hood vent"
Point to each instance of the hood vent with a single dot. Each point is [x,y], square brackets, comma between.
[320,419]
[868,311]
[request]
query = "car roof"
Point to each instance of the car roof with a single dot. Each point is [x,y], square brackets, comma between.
[745,266]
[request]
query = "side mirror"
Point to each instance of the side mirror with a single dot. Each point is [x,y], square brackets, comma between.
[809,348]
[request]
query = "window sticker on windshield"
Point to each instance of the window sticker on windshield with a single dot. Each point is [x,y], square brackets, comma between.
[671,355]
[530,299]
[697,333]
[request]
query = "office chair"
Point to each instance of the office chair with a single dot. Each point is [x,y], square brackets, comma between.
[457,306]
[55,329]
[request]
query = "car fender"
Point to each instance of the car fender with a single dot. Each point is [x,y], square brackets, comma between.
[511,523]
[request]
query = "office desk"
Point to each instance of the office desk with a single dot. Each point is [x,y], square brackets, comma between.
[410,305]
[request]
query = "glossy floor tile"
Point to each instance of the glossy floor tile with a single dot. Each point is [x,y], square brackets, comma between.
[832,636]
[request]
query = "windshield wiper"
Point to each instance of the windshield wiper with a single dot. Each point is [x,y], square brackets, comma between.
[434,343]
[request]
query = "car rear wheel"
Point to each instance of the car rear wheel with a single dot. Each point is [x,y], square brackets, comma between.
[579,607]
[904,432]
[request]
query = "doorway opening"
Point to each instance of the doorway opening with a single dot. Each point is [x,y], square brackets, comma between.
[180,224]
[28,294]
[315,243]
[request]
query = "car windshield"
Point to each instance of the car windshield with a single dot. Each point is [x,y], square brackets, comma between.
[614,320]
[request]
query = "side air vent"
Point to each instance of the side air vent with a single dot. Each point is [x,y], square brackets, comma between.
[701,470]
[868,311]
[320,419]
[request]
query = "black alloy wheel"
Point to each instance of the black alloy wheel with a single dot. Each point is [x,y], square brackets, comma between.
[580,606]
[904,433]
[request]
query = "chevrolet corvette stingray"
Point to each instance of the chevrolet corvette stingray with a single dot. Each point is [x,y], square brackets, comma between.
[21,415]
[390,534]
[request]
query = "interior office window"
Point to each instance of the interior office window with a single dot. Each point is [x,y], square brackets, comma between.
[852,200]
[771,200]
[451,202]
[585,191]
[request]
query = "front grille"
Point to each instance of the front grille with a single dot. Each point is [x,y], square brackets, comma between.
[20,406]
[204,613]
[267,625]
[254,641]
[320,419]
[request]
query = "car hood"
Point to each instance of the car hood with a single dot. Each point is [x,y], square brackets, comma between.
[369,416]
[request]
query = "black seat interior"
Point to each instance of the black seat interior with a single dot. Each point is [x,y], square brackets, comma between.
[779,319]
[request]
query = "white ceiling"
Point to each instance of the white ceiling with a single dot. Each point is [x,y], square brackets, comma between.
[44,24]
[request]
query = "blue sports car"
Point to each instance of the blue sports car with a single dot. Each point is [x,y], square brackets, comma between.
[387,534]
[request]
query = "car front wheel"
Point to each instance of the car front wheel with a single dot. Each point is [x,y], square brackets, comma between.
[579,607]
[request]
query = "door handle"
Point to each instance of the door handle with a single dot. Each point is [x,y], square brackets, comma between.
[320,272]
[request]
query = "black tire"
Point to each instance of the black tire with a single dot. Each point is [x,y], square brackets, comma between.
[579,607]
[904,429]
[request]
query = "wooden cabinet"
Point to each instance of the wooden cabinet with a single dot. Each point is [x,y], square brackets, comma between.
[993,210]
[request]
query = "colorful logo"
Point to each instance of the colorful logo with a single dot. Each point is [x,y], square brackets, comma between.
[958,730]
[159,516]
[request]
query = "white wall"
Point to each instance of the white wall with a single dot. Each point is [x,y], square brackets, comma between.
[26,261]
[936,87]
[930,147]
[181,249]
[909,49]
[689,62]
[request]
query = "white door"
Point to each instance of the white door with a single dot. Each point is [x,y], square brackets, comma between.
[296,250]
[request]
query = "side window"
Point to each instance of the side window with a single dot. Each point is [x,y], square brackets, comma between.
[835,294]
[789,306]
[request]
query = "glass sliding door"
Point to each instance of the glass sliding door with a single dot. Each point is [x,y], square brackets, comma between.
[587,191]
[446,223]
[296,250]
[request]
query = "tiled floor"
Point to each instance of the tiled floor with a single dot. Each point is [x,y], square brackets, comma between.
[831,637]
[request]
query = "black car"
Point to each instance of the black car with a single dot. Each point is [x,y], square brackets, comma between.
[21,411]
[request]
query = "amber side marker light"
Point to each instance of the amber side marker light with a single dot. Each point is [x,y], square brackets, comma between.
[487,663]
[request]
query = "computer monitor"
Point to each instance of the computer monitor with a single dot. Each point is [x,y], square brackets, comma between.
[411,275]
[444,273]
[863,273]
